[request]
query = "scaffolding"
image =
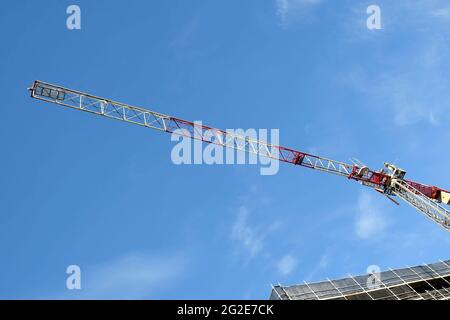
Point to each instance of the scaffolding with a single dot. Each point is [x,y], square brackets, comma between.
[424,282]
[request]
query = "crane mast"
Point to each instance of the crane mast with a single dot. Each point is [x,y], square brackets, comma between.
[389,181]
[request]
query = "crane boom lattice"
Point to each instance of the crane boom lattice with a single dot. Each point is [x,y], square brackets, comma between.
[422,203]
[424,198]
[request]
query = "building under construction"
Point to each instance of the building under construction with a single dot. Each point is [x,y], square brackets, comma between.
[425,282]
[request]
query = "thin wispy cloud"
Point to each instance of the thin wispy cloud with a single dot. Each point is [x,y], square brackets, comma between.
[250,234]
[282,7]
[250,237]
[285,9]
[414,89]
[441,12]
[133,276]
[371,220]
[287,264]
[245,234]
[322,264]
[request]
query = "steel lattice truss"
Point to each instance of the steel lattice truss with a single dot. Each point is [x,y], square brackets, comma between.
[424,200]
[418,200]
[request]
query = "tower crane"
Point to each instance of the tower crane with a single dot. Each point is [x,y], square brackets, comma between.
[389,181]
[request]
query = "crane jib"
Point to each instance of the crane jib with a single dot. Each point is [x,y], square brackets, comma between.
[424,198]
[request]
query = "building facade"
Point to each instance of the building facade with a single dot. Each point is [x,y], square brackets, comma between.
[425,282]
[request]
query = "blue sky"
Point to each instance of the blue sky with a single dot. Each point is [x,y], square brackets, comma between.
[104,195]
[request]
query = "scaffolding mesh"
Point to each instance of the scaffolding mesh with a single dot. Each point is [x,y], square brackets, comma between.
[425,282]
